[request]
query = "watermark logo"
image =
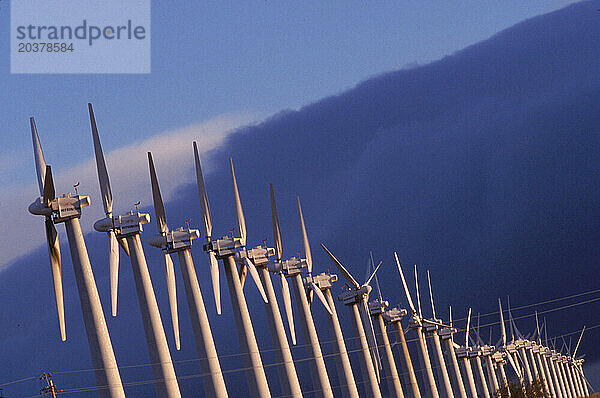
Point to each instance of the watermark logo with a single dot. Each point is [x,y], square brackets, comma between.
[68,36]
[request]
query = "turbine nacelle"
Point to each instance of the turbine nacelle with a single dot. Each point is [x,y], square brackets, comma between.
[446,332]
[293,266]
[429,325]
[176,240]
[224,247]
[394,315]
[377,307]
[323,281]
[258,255]
[355,296]
[487,350]
[498,357]
[466,352]
[124,225]
[60,209]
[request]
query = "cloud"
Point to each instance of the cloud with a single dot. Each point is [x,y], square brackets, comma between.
[128,171]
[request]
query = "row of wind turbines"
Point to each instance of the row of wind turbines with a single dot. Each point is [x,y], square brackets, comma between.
[446,373]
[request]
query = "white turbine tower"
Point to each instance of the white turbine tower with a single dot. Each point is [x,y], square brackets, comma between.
[446,335]
[417,325]
[536,351]
[129,227]
[507,349]
[228,249]
[546,354]
[377,308]
[67,209]
[430,327]
[479,353]
[487,352]
[577,365]
[357,298]
[180,241]
[324,283]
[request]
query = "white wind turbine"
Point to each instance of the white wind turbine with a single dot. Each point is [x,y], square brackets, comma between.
[446,335]
[180,241]
[546,354]
[377,309]
[292,268]
[577,366]
[324,283]
[536,353]
[259,256]
[228,249]
[487,351]
[479,352]
[357,298]
[507,349]
[430,326]
[465,353]
[67,209]
[417,325]
[129,227]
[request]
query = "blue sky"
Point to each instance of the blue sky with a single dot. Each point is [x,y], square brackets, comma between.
[238,61]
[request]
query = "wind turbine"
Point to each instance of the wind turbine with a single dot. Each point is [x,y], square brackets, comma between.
[546,354]
[376,308]
[260,258]
[324,283]
[577,365]
[566,363]
[356,298]
[446,335]
[180,241]
[554,359]
[478,351]
[487,351]
[507,349]
[129,227]
[536,352]
[227,249]
[521,345]
[292,268]
[465,353]
[67,209]
[430,327]
[417,325]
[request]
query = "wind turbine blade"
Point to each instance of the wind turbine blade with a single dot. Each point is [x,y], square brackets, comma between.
[406,291]
[107,200]
[418,295]
[124,245]
[305,244]
[373,274]
[159,207]
[376,279]
[254,273]
[537,327]
[55,266]
[204,207]
[431,295]
[40,163]
[450,315]
[477,330]
[113,262]
[502,327]
[343,270]
[287,302]
[546,332]
[49,193]
[276,229]
[578,341]
[467,331]
[238,206]
[364,309]
[172,293]
[321,296]
[514,365]
[214,275]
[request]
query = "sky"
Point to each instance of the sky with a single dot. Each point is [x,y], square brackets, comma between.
[303,83]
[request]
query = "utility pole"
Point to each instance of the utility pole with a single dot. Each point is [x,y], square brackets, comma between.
[49,387]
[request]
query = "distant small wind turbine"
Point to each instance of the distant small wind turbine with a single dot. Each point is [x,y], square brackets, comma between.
[417,325]
[357,298]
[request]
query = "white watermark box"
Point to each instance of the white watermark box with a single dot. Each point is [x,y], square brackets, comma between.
[85,36]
